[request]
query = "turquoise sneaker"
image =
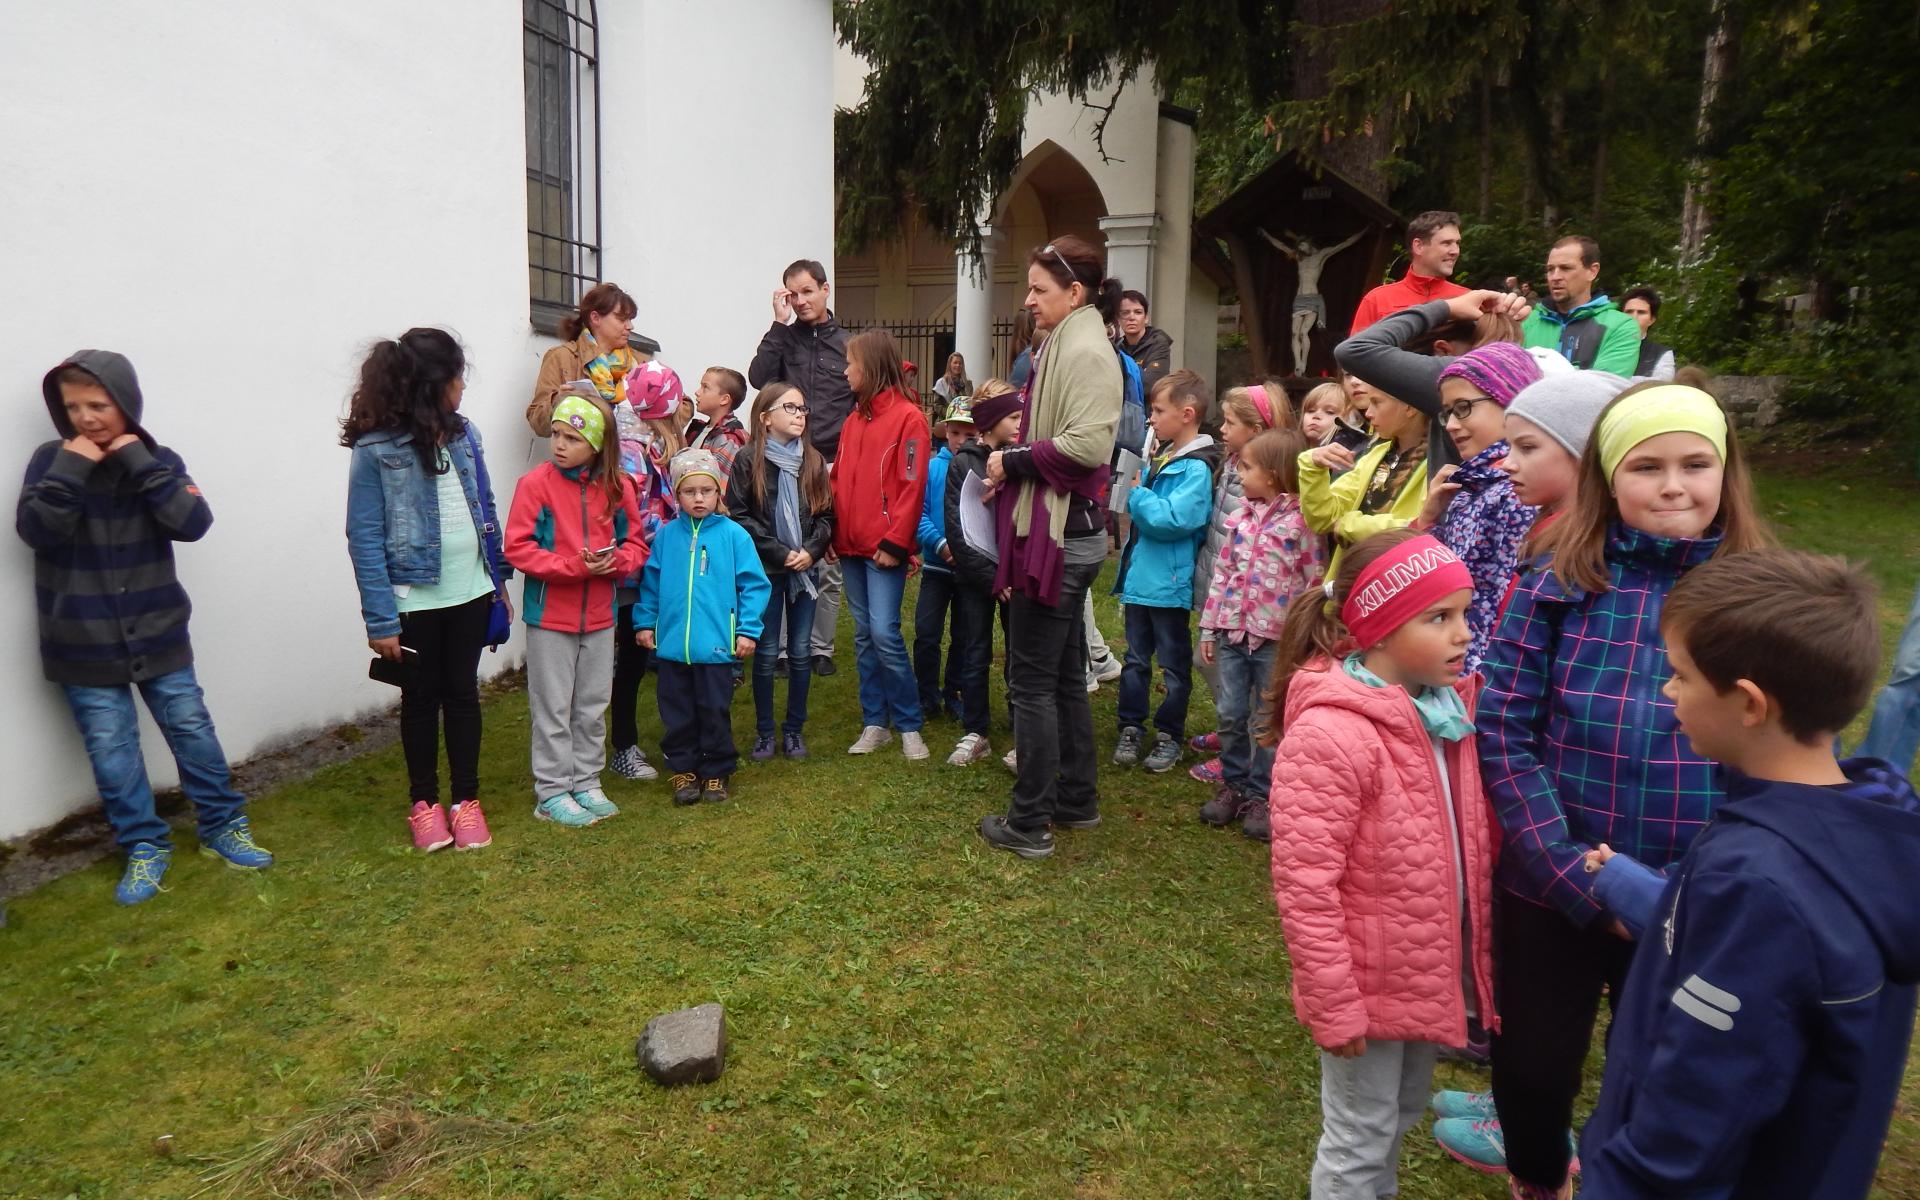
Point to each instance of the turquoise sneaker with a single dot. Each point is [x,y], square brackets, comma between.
[146,866]
[1473,1106]
[235,845]
[563,809]
[596,803]
[1476,1142]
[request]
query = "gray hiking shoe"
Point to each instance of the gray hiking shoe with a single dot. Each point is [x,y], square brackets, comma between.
[1166,752]
[1127,753]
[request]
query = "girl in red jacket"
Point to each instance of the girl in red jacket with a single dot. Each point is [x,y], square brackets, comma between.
[879,480]
[574,531]
[1382,843]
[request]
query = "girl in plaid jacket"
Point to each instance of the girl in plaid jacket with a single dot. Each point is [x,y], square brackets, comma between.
[1578,747]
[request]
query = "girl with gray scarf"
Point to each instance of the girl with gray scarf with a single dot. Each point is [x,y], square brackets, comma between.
[779,493]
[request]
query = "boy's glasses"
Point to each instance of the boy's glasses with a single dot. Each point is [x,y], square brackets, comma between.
[794,410]
[1460,410]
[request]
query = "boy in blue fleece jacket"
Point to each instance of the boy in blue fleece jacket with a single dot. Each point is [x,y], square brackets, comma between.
[1169,507]
[102,506]
[703,595]
[1760,1042]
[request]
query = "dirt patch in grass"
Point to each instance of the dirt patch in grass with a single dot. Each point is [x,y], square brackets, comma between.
[378,1140]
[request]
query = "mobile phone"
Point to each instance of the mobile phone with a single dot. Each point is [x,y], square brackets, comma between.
[604,550]
[385,670]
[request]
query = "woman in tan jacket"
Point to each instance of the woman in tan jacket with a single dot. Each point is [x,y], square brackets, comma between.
[593,346]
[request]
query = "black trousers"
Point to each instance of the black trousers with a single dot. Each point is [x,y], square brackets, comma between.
[1547,977]
[1052,719]
[629,668]
[973,640]
[696,706]
[937,608]
[442,683]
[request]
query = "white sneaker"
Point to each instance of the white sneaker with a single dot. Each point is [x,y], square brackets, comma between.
[1012,761]
[1111,671]
[972,749]
[871,738]
[913,746]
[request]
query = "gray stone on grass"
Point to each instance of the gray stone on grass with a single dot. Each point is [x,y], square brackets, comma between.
[689,1046]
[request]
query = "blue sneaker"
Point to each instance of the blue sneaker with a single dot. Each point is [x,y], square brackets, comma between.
[1473,1106]
[146,866]
[235,846]
[1475,1141]
[563,809]
[596,803]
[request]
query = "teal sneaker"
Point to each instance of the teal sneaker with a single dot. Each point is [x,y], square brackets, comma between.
[146,866]
[236,847]
[596,803]
[1473,1106]
[1474,1141]
[563,809]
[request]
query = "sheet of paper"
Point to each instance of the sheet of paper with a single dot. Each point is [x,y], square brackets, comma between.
[976,519]
[1126,473]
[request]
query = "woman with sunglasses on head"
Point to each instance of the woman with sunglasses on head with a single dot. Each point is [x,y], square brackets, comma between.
[1049,505]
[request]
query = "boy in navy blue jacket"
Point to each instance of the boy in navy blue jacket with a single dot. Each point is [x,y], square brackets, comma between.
[1759,1046]
[102,506]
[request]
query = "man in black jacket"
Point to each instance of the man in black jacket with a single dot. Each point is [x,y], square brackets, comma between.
[807,348]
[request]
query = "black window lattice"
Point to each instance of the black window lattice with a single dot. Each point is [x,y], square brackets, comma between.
[562,47]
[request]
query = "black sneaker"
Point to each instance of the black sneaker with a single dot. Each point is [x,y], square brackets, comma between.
[1090,821]
[822,665]
[780,669]
[1163,756]
[1127,753]
[686,788]
[1223,807]
[996,831]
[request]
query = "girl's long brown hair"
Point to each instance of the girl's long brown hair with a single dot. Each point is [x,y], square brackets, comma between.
[1578,541]
[815,488]
[880,370]
[1314,629]
[607,472]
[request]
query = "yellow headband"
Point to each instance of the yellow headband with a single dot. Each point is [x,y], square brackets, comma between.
[1670,408]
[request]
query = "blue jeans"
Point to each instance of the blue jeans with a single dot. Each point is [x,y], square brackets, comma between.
[1246,765]
[1894,734]
[888,693]
[1157,634]
[110,726]
[795,614]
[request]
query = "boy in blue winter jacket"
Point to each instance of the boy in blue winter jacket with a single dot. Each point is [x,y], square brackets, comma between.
[1169,508]
[702,597]
[1758,1048]
[938,606]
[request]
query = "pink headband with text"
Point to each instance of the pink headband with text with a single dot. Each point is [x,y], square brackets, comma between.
[1399,586]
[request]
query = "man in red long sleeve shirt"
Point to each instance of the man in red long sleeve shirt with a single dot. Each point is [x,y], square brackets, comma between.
[1433,239]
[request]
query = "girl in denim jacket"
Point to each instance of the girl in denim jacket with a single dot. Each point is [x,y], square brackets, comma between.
[426,584]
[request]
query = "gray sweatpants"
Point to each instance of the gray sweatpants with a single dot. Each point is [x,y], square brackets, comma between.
[569,681]
[1367,1104]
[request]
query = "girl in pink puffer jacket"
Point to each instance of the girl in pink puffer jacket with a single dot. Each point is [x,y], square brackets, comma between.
[1383,843]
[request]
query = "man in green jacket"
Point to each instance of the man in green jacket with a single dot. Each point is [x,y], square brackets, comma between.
[1586,329]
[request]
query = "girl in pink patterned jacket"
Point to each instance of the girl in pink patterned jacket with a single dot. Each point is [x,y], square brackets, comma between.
[1267,557]
[1383,843]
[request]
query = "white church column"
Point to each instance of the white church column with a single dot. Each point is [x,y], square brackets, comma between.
[1130,241]
[973,310]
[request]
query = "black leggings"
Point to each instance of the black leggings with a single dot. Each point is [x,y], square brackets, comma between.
[1547,977]
[629,668]
[442,678]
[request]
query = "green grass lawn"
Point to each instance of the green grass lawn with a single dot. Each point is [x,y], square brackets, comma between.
[911,1014]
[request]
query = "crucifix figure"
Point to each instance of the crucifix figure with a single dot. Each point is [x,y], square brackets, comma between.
[1309,306]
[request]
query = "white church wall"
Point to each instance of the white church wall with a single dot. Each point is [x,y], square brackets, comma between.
[240,198]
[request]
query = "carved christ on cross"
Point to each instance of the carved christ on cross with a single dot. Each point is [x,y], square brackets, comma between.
[1309,306]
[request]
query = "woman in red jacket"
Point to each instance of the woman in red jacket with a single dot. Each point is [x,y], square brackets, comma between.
[879,478]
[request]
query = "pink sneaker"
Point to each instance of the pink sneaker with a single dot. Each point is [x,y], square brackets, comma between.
[470,830]
[430,830]
[1209,772]
[1206,743]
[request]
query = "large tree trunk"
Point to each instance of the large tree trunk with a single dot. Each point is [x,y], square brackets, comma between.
[1556,138]
[1486,148]
[1721,48]
[1599,206]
